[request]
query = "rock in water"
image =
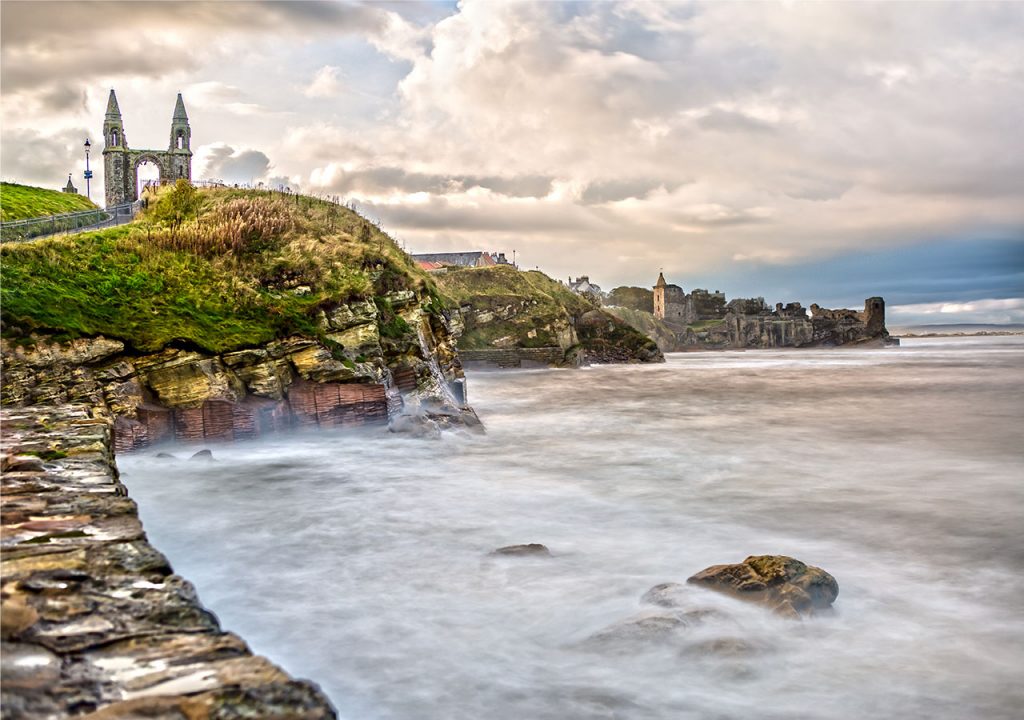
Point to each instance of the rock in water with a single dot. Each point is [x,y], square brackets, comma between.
[528,549]
[204,455]
[784,584]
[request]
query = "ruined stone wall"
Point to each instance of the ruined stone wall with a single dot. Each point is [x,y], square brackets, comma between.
[94,620]
[788,326]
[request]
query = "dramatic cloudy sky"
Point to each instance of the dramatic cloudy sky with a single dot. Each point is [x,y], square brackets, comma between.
[811,151]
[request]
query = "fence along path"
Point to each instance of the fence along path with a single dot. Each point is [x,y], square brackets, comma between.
[80,221]
[67,223]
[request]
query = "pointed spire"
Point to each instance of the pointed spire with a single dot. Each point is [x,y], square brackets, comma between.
[179,110]
[661,280]
[113,111]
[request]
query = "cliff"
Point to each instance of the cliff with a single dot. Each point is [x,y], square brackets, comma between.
[226,314]
[644,321]
[508,314]
[94,621]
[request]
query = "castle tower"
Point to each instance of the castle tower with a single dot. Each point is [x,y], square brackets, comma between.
[659,297]
[181,139]
[874,316]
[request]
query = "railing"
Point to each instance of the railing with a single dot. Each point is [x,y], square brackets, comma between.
[67,223]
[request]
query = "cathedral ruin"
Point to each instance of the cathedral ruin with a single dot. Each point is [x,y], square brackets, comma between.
[121,164]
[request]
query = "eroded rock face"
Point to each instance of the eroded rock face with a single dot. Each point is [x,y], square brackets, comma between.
[95,622]
[355,375]
[787,586]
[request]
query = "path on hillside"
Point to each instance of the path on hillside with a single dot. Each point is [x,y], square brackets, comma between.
[66,223]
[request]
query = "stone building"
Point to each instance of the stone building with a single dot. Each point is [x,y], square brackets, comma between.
[121,164]
[70,189]
[672,304]
[583,286]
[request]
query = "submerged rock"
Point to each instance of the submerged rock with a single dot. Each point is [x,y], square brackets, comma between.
[521,550]
[646,627]
[671,595]
[415,425]
[784,584]
[204,455]
[166,456]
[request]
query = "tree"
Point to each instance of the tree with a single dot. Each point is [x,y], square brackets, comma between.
[634,298]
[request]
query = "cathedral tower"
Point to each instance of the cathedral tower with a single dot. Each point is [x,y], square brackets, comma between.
[121,164]
[181,138]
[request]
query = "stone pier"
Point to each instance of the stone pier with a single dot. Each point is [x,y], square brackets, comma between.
[95,624]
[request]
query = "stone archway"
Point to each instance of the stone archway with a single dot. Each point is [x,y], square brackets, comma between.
[150,159]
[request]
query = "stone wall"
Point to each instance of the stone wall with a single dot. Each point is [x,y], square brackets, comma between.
[95,624]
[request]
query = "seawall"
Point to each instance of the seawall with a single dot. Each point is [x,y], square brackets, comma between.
[95,623]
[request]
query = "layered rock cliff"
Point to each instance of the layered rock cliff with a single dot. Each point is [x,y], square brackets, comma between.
[244,313]
[514,318]
[94,621]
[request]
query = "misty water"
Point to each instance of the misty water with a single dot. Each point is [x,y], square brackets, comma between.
[360,559]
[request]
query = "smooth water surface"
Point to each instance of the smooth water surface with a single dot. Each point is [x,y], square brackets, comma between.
[360,560]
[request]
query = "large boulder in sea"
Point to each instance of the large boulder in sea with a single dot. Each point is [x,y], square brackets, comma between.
[784,584]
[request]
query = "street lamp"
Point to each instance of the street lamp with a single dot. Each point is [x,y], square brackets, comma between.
[88,172]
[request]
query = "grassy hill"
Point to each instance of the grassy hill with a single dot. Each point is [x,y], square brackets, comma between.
[513,304]
[510,308]
[216,269]
[18,202]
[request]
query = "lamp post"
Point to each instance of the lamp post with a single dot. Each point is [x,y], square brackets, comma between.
[88,172]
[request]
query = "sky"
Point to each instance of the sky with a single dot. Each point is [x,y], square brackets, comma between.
[818,152]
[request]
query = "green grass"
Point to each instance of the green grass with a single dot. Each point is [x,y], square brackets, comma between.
[494,288]
[19,202]
[705,325]
[548,303]
[233,269]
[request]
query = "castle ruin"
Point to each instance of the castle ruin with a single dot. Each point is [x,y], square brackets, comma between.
[702,319]
[121,164]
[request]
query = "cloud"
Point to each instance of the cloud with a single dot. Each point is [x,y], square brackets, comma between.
[223,162]
[390,180]
[34,158]
[154,39]
[325,83]
[986,311]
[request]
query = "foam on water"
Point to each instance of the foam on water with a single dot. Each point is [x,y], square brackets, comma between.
[360,560]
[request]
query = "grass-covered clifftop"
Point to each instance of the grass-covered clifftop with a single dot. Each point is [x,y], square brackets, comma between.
[216,269]
[19,202]
[510,308]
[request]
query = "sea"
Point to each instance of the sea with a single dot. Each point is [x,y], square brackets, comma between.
[361,560]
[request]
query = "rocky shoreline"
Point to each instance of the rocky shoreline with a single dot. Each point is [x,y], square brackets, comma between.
[95,623]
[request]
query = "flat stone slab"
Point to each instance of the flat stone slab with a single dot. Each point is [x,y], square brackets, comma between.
[95,624]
